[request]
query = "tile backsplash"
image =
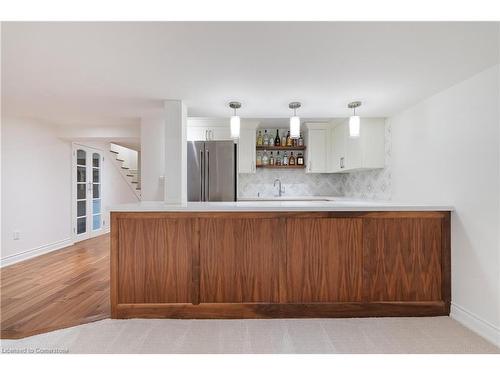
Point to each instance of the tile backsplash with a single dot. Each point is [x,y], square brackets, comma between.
[296,183]
[374,184]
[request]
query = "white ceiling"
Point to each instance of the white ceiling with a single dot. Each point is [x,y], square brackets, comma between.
[73,72]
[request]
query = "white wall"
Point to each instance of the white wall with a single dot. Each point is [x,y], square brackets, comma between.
[36,178]
[36,188]
[446,150]
[130,157]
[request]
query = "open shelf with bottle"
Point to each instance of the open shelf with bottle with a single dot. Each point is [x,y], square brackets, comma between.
[279,148]
[281,166]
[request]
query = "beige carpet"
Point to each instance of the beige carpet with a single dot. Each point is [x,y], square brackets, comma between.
[373,335]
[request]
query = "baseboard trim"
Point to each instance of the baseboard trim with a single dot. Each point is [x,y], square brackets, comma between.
[480,326]
[276,310]
[19,257]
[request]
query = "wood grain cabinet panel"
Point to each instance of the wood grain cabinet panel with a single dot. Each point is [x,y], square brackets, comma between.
[402,259]
[155,260]
[240,259]
[324,260]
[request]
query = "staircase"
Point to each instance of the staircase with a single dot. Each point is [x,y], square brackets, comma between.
[121,157]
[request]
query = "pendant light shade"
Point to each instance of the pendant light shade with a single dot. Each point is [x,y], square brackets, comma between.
[354,121]
[235,121]
[294,120]
[294,127]
[235,127]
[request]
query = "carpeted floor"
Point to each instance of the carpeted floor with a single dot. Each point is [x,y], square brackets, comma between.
[373,335]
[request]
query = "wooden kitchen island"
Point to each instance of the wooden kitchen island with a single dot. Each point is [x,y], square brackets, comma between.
[279,261]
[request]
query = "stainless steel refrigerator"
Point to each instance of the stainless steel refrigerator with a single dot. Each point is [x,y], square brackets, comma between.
[211,171]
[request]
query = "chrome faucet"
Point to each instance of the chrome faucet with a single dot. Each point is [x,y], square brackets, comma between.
[280,190]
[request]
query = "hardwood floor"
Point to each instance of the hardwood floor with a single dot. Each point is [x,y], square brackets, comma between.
[60,289]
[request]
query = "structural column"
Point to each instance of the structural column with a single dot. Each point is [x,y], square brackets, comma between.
[175,152]
[163,154]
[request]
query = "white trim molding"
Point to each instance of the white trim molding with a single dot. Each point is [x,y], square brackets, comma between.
[24,255]
[476,324]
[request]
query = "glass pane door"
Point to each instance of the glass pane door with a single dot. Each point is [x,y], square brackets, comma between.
[81,192]
[88,216]
[96,191]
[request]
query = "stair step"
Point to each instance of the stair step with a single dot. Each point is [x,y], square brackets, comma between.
[130,175]
[114,152]
[119,159]
[135,182]
[124,168]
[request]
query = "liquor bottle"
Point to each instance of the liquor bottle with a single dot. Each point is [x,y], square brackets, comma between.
[301,141]
[277,140]
[288,139]
[266,138]
[265,158]
[278,159]
[258,160]
[285,159]
[300,159]
[294,142]
[259,139]
[283,141]
[291,160]
[271,159]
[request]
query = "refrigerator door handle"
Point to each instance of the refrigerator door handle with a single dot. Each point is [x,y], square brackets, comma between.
[201,175]
[207,196]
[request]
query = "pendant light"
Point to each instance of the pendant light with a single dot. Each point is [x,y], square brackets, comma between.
[235,120]
[294,120]
[354,122]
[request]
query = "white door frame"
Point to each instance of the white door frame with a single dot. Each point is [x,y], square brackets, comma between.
[90,233]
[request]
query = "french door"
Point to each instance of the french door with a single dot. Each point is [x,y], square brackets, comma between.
[87,192]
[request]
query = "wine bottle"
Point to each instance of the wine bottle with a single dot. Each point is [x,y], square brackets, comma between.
[277,140]
[300,159]
[265,158]
[258,161]
[266,138]
[259,139]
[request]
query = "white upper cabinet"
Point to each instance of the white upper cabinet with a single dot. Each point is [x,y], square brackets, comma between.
[205,129]
[318,147]
[364,152]
[246,147]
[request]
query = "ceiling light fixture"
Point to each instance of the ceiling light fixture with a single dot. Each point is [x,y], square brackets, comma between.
[235,120]
[294,120]
[354,122]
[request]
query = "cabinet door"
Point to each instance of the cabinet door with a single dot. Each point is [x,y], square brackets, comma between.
[324,260]
[155,260]
[317,150]
[246,151]
[339,135]
[402,259]
[196,133]
[354,151]
[240,259]
[220,133]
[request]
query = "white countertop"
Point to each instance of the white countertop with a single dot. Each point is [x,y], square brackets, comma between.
[282,204]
